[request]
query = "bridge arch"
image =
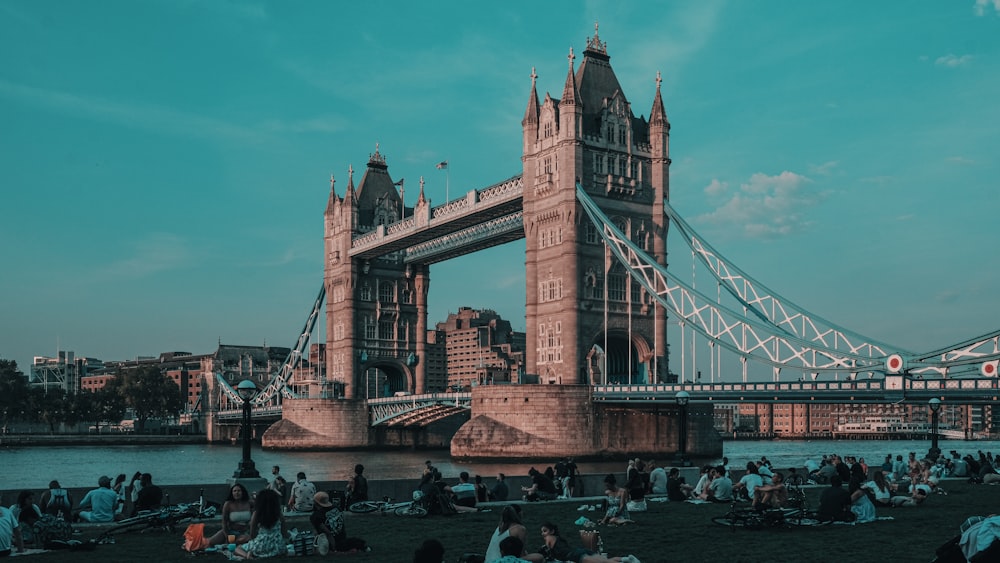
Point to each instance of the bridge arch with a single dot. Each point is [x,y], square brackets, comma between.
[628,358]
[385,377]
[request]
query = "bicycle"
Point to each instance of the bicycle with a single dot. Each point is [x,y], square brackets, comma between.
[167,519]
[408,508]
[795,513]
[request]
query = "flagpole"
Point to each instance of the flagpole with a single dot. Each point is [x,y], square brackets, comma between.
[447,180]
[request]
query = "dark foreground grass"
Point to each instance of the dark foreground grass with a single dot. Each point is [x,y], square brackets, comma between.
[668,532]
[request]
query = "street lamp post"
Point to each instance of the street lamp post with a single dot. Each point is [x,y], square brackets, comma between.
[246,469]
[935,406]
[682,398]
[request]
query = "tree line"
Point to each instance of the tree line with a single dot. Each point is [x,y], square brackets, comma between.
[145,390]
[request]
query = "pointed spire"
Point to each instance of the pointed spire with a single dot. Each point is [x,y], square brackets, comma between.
[333,199]
[594,44]
[420,198]
[349,194]
[570,95]
[531,113]
[658,115]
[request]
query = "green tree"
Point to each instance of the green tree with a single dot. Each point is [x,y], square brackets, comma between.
[150,394]
[51,407]
[13,393]
[106,405]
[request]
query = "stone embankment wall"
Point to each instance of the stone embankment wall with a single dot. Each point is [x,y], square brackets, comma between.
[324,424]
[528,421]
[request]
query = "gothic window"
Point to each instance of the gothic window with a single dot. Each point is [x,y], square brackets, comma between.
[559,235]
[548,165]
[338,331]
[611,132]
[636,293]
[599,160]
[407,296]
[385,292]
[369,328]
[635,169]
[385,330]
[548,129]
[338,293]
[616,284]
[366,292]
[590,233]
[621,166]
[621,135]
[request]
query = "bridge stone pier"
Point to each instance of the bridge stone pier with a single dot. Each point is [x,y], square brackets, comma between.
[331,424]
[552,421]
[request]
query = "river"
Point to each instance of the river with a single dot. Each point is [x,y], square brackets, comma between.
[80,466]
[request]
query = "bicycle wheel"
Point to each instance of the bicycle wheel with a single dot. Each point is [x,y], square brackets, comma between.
[411,510]
[805,518]
[749,520]
[363,507]
[131,525]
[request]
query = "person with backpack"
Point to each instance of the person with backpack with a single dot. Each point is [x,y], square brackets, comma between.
[328,521]
[57,501]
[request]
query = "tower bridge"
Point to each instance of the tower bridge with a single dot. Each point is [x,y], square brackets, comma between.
[592,203]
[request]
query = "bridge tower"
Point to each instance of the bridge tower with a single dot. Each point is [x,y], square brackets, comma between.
[372,306]
[591,137]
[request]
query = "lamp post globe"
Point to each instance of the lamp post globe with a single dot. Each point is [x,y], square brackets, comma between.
[246,469]
[682,398]
[935,405]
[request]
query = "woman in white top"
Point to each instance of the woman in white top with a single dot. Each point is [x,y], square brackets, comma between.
[880,488]
[510,525]
[236,512]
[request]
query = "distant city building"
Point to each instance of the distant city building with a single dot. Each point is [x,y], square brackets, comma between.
[844,420]
[480,348]
[61,372]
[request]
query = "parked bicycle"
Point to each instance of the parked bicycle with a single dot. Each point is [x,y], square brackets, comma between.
[168,518]
[408,508]
[794,513]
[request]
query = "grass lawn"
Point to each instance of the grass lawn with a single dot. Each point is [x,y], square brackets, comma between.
[668,532]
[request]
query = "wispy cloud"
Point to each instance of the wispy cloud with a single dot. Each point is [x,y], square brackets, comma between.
[143,116]
[764,207]
[953,61]
[824,169]
[157,252]
[983,6]
[960,160]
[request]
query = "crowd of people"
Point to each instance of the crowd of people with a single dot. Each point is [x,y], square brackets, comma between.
[253,524]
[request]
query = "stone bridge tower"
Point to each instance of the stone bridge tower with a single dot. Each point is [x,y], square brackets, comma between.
[372,306]
[591,137]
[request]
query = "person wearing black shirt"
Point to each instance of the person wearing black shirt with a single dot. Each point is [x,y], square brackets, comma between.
[835,502]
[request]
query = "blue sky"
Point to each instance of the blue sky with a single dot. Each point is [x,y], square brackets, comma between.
[165,164]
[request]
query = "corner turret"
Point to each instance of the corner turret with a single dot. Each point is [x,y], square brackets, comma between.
[530,121]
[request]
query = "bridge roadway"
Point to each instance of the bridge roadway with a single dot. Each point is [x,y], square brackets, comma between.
[892,389]
[420,410]
[405,410]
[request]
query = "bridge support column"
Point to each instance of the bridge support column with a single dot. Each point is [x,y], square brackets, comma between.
[421,282]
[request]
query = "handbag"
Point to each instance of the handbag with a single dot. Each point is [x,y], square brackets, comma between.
[194,538]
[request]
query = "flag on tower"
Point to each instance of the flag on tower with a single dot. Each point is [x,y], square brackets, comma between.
[442,165]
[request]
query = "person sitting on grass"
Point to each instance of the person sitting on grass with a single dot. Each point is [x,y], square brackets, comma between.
[510,526]
[835,502]
[431,551]
[10,533]
[861,504]
[721,487]
[617,501]
[331,534]
[236,514]
[918,494]
[748,483]
[267,528]
[677,489]
[100,504]
[774,495]
[542,488]
[556,548]
[511,549]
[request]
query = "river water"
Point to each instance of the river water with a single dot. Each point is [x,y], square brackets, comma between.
[80,466]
